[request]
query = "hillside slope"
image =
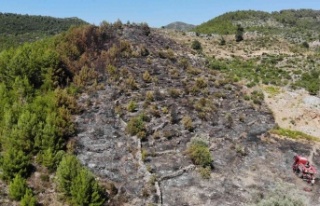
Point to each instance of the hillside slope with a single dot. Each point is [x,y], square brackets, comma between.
[17,29]
[135,130]
[295,25]
[153,122]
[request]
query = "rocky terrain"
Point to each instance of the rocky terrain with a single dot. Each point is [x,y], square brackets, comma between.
[153,168]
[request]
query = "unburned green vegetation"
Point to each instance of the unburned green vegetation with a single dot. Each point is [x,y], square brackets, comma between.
[291,24]
[199,153]
[17,29]
[39,84]
[294,134]
[265,70]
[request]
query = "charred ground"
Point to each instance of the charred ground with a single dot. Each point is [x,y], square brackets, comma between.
[178,98]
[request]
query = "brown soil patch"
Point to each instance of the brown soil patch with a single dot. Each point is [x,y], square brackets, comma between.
[296,110]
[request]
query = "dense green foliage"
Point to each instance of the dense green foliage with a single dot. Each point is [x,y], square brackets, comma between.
[303,18]
[17,29]
[77,183]
[218,25]
[303,23]
[226,23]
[38,84]
[264,70]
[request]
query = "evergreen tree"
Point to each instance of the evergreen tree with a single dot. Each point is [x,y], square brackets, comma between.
[66,172]
[78,183]
[28,199]
[17,188]
[50,159]
[222,41]
[24,131]
[14,162]
[239,33]
[196,45]
[85,190]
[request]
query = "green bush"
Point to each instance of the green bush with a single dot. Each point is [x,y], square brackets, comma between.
[196,45]
[199,153]
[305,45]
[132,106]
[136,125]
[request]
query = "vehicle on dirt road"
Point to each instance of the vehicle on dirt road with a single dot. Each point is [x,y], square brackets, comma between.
[304,169]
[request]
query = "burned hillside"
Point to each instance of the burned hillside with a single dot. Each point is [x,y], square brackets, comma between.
[153,100]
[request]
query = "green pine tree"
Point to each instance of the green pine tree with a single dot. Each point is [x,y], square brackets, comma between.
[239,33]
[67,171]
[50,159]
[17,188]
[14,162]
[28,199]
[85,190]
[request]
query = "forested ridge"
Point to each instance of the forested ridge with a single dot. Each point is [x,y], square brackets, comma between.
[302,23]
[17,29]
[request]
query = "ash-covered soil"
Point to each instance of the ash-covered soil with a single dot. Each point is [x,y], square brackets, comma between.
[155,169]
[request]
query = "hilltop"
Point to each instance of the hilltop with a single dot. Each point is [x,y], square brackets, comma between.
[294,25]
[17,29]
[180,26]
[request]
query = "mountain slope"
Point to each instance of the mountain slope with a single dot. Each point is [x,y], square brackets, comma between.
[297,25]
[152,121]
[17,29]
